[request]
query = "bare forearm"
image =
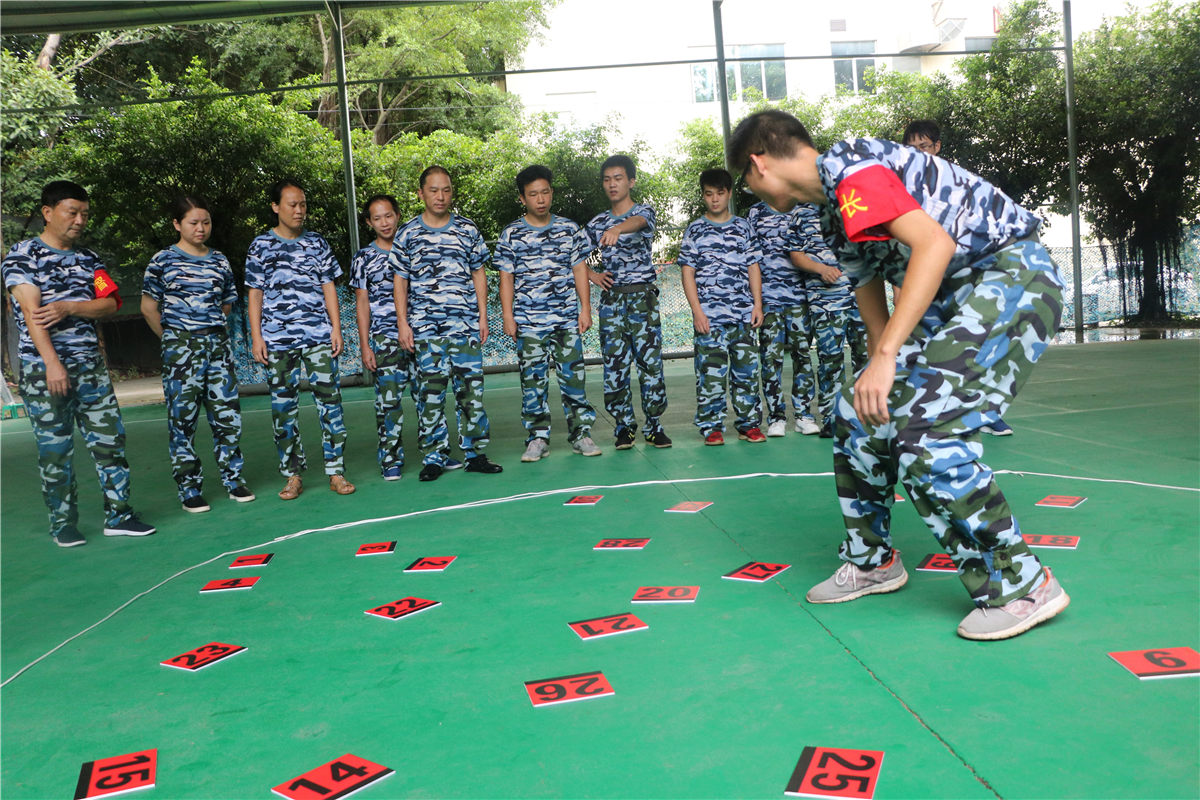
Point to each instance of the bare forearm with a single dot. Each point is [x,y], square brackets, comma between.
[152,315]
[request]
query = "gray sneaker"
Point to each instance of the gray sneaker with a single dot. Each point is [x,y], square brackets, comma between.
[536,450]
[1017,616]
[851,582]
[585,446]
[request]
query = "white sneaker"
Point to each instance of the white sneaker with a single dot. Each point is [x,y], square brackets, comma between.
[535,450]
[585,446]
[777,428]
[808,426]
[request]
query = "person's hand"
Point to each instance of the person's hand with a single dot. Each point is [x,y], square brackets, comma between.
[406,337]
[57,380]
[585,320]
[872,388]
[335,341]
[602,279]
[259,348]
[829,274]
[756,317]
[483,329]
[700,322]
[51,314]
[368,359]
[610,237]
[510,327]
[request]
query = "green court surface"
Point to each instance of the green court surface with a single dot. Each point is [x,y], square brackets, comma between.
[718,698]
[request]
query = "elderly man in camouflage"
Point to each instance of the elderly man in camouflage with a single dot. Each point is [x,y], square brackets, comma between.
[981,300]
[547,308]
[441,311]
[57,290]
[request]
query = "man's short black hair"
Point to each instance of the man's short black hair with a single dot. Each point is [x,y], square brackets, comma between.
[278,186]
[375,198]
[622,161]
[716,178]
[773,132]
[534,172]
[433,169]
[922,127]
[55,192]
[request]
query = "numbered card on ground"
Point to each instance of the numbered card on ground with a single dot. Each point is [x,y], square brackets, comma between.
[430,564]
[899,498]
[936,562]
[567,689]
[666,594]
[1170,662]
[607,626]
[1060,501]
[258,560]
[584,500]
[203,656]
[106,777]
[756,572]
[230,585]
[1043,540]
[621,544]
[376,549]
[341,777]
[404,607]
[835,772]
[690,507]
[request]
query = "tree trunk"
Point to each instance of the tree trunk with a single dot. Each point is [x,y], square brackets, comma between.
[49,50]
[327,105]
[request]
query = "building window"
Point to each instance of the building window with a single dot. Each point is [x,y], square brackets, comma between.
[850,74]
[765,73]
[978,44]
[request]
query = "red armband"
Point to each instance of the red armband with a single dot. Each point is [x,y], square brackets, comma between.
[868,199]
[105,286]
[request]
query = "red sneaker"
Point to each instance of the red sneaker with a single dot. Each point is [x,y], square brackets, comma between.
[752,435]
[714,438]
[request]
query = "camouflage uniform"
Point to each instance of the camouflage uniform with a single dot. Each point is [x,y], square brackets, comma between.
[297,331]
[197,361]
[784,331]
[828,308]
[438,264]
[72,275]
[630,329]
[721,254]
[546,312]
[372,271]
[992,317]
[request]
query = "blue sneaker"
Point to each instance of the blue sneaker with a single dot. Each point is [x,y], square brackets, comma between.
[69,537]
[391,474]
[451,463]
[998,428]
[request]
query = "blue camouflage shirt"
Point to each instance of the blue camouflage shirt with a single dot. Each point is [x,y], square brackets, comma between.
[805,237]
[630,260]
[191,289]
[783,286]
[438,264]
[541,261]
[290,272]
[872,181]
[371,269]
[59,275]
[721,254]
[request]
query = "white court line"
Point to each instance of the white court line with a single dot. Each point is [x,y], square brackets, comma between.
[510,499]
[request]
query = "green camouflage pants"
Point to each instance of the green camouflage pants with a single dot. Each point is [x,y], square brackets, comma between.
[441,364]
[536,352]
[393,371]
[91,405]
[785,334]
[631,333]
[286,368]
[727,360]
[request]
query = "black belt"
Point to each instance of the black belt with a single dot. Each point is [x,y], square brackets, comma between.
[209,331]
[631,288]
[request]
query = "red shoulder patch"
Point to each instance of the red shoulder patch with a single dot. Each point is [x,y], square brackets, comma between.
[868,199]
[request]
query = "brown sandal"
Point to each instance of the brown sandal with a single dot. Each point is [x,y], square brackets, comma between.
[339,484]
[293,489]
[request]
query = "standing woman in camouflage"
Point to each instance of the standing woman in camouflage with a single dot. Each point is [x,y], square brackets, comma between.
[187,292]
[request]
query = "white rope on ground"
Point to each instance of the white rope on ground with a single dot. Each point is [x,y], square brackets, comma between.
[511,499]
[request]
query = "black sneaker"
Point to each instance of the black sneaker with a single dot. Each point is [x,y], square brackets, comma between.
[69,537]
[480,463]
[430,472]
[624,439]
[130,527]
[658,439]
[826,431]
[195,504]
[242,494]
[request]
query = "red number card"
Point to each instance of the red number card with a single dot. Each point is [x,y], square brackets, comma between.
[1042,540]
[404,607]
[834,772]
[116,775]
[621,544]
[607,626]
[899,498]
[341,777]
[756,571]
[690,507]
[585,686]
[1060,501]
[584,500]
[259,560]
[937,562]
[229,585]
[430,564]
[666,594]
[1171,662]
[376,549]
[203,656]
